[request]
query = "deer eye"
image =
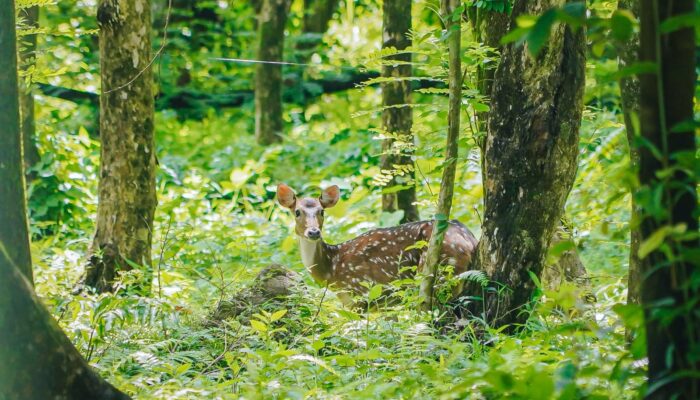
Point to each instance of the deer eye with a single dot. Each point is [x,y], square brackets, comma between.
[322,213]
[297,213]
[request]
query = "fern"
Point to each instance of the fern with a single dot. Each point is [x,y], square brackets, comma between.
[474,276]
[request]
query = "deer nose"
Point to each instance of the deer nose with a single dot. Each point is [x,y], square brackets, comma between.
[313,233]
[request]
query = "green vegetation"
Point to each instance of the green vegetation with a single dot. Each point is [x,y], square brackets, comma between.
[217,222]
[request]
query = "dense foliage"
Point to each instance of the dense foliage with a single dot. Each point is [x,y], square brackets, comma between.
[218,225]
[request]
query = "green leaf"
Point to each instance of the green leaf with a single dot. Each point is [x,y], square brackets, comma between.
[258,325]
[622,24]
[688,20]
[277,315]
[535,279]
[374,292]
[539,34]
[657,238]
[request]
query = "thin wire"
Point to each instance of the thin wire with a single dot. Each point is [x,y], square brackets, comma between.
[246,61]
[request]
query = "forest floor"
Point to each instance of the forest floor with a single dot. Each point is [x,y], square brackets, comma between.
[217,226]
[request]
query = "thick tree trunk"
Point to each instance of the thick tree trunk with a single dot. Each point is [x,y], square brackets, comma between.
[429,267]
[317,15]
[530,161]
[669,273]
[39,360]
[127,197]
[14,233]
[629,96]
[397,116]
[27,56]
[268,77]
[489,27]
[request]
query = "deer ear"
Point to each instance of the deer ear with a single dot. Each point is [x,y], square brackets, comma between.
[329,197]
[286,196]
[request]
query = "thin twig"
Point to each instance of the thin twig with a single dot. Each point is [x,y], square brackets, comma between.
[158,53]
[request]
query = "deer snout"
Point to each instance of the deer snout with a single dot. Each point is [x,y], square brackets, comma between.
[313,233]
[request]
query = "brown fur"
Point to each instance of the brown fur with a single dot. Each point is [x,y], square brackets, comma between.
[377,256]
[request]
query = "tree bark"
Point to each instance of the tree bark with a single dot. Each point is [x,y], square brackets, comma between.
[272,19]
[317,15]
[14,232]
[669,273]
[489,27]
[530,161]
[40,361]
[127,197]
[429,265]
[629,96]
[27,56]
[397,115]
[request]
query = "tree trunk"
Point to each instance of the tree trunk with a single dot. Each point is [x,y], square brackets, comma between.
[629,96]
[14,232]
[397,116]
[489,27]
[567,268]
[272,19]
[127,197]
[429,265]
[670,291]
[317,15]
[530,161]
[40,361]
[27,56]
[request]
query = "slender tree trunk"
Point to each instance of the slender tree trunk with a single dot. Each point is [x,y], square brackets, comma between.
[629,96]
[317,15]
[669,273]
[14,233]
[127,196]
[429,265]
[530,161]
[397,116]
[272,19]
[27,56]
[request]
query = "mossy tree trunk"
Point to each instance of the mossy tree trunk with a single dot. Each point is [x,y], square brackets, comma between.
[429,267]
[127,196]
[39,362]
[668,194]
[489,28]
[272,18]
[629,96]
[530,161]
[27,56]
[397,115]
[14,233]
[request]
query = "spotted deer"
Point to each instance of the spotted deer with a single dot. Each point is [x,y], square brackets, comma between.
[378,256]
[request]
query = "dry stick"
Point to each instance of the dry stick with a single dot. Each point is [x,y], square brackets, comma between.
[432,257]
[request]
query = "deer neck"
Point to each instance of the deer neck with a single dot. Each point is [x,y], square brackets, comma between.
[317,257]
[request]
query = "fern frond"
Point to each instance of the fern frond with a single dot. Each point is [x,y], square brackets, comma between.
[474,276]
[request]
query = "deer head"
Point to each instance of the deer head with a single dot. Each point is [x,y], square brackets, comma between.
[308,211]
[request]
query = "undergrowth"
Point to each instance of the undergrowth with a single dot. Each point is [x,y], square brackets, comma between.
[218,225]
